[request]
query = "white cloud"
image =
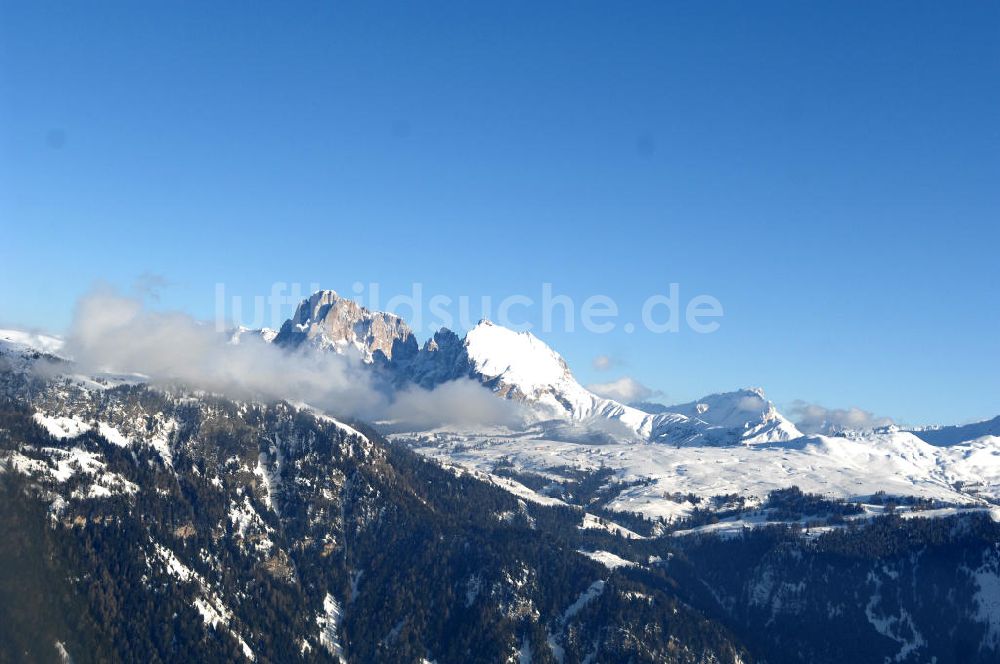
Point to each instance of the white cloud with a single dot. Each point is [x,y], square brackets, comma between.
[459,403]
[603,362]
[626,389]
[114,333]
[813,418]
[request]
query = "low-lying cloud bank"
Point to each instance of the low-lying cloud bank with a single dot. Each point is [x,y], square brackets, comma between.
[115,333]
[813,418]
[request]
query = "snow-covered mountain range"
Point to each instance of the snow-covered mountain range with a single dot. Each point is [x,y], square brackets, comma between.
[521,367]
[734,443]
[229,493]
[174,524]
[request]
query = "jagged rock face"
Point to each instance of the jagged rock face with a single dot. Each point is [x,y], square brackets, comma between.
[331,322]
[443,358]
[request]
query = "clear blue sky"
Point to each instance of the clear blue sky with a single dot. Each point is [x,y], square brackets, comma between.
[830,171]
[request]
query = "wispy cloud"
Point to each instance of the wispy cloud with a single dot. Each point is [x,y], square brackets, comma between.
[626,389]
[603,362]
[149,284]
[814,418]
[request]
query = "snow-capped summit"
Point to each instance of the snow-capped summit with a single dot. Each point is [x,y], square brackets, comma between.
[746,411]
[520,366]
[331,322]
[520,360]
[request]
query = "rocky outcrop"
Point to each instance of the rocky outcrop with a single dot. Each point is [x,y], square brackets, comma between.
[442,358]
[331,322]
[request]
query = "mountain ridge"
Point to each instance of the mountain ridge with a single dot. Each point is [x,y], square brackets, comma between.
[167,524]
[521,367]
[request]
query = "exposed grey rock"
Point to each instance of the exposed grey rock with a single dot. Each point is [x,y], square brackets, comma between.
[330,322]
[442,358]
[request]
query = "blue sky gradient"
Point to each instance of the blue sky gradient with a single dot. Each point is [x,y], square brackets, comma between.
[830,171]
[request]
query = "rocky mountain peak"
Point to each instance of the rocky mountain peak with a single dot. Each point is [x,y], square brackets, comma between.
[442,358]
[443,340]
[331,322]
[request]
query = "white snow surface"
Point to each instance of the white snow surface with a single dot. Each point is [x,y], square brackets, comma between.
[60,464]
[519,357]
[329,627]
[22,340]
[897,462]
[64,427]
[591,521]
[320,415]
[61,427]
[608,559]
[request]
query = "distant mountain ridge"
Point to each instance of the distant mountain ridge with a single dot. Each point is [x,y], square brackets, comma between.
[950,435]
